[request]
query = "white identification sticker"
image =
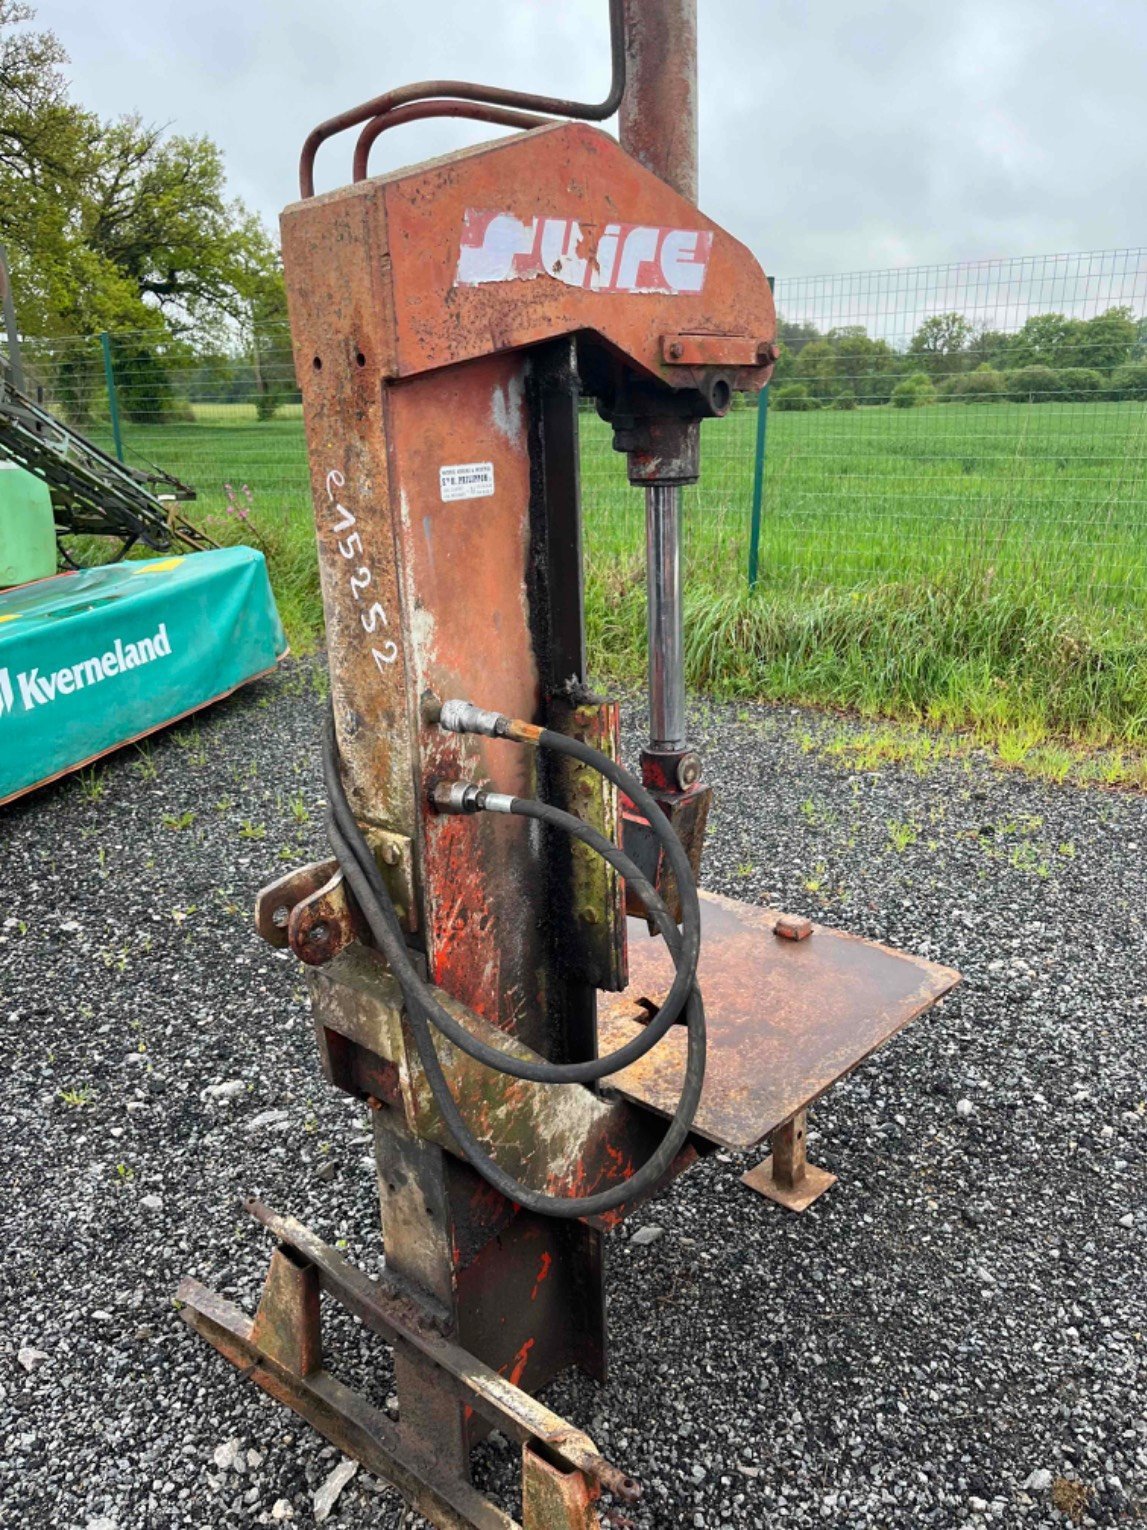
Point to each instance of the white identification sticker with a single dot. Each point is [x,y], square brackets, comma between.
[467,480]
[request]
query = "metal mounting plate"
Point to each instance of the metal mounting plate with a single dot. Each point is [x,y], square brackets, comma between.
[786,1019]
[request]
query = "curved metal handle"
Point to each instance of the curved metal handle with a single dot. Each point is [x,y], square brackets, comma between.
[479,111]
[462,91]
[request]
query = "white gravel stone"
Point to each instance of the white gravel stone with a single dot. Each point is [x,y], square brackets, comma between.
[327,1495]
[230,1089]
[228,1457]
[268,1118]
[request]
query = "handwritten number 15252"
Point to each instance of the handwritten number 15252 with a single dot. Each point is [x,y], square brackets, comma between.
[350,547]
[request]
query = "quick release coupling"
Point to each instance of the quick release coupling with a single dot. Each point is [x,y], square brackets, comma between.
[465,717]
[466,797]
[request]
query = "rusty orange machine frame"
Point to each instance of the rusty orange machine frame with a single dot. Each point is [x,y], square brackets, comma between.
[446,320]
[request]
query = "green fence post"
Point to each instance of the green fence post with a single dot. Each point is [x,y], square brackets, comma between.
[113,396]
[759,476]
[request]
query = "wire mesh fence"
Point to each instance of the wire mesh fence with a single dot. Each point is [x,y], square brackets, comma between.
[228,422]
[981,421]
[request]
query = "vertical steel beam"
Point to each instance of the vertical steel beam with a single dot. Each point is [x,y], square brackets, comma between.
[659,105]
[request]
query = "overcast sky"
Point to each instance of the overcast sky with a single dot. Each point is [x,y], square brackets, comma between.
[836,135]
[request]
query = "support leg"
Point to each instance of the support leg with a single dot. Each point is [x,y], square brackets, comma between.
[286,1326]
[522,1293]
[786,1176]
[416,1231]
[562,1470]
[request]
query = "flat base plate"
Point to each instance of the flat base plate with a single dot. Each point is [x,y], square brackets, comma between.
[786,1018]
[814,1183]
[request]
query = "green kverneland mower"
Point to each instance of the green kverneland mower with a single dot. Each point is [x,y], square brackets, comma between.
[92,658]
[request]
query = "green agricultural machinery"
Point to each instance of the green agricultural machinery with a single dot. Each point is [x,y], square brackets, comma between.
[92,658]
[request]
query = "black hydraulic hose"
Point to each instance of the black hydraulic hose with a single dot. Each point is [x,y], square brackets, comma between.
[369,889]
[642,1182]
[684,945]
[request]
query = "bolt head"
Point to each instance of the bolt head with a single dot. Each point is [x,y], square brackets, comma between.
[688,770]
[676,350]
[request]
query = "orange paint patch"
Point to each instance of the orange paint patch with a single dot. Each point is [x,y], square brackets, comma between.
[543,1271]
[520,1361]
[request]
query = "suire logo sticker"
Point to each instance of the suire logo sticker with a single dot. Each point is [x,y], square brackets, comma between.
[619,257]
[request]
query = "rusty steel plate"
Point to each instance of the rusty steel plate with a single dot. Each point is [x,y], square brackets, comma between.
[786,1018]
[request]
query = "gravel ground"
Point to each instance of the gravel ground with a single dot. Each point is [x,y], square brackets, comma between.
[954,1336]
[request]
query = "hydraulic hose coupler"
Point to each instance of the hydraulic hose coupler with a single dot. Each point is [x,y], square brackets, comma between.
[465,717]
[465,797]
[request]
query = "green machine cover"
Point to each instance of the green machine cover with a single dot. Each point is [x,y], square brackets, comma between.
[27,527]
[94,659]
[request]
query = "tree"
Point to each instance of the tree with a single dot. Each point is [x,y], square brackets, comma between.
[794,396]
[1034,384]
[783,368]
[1044,341]
[983,386]
[914,391]
[988,347]
[112,225]
[815,366]
[273,360]
[1129,382]
[796,334]
[864,366]
[937,346]
[1081,385]
[1104,342]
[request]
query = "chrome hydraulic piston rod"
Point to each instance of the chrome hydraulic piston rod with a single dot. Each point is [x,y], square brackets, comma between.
[658,123]
[665,619]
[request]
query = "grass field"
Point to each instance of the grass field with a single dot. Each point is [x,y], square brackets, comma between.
[980,567]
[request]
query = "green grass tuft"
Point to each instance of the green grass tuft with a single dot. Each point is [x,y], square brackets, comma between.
[952,655]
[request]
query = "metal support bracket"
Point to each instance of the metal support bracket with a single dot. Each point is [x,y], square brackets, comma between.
[310,911]
[786,1176]
[563,1472]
